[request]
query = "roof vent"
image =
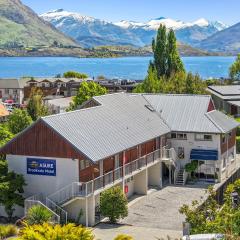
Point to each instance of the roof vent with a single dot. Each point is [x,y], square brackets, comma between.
[149,107]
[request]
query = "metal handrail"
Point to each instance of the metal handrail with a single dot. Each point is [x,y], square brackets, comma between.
[81,189]
[28,204]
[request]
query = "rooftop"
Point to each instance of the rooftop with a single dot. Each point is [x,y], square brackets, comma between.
[11,83]
[225,92]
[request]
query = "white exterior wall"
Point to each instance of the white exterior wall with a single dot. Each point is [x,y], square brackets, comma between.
[18,97]
[66,173]
[192,143]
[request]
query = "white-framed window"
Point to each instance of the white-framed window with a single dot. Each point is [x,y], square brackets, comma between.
[6,91]
[181,154]
[203,137]
[181,136]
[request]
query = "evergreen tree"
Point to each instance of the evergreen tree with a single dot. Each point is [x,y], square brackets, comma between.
[174,62]
[160,51]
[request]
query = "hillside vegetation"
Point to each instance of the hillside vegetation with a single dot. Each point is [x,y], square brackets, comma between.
[21,27]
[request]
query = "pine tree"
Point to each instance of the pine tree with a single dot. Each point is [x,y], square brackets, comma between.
[160,51]
[174,62]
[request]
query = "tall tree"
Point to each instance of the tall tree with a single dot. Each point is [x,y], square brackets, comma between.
[174,62]
[160,51]
[19,120]
[35,106]
[234,70]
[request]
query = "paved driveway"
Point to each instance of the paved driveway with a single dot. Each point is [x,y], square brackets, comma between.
[154,216]
[160,209]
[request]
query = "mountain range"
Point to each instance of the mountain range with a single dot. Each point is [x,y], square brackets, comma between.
[91,32]
[63,33]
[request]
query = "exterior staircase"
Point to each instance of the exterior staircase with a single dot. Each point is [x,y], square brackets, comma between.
[180,177]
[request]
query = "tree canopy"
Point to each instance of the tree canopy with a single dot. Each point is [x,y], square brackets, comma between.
[35,106]
[86,91]
[19,120]
[11,189]
[113,204]
[5,135]
[234,70]
[72,74]
[210,217]
[166,73]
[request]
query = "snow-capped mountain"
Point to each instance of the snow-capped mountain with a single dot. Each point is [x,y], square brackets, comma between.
[171,23]
[91,32]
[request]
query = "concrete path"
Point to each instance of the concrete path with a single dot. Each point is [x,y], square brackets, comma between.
[154,216]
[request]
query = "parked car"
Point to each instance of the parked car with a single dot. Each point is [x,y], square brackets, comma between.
[204,237]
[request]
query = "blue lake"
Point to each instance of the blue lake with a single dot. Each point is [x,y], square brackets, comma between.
[127,67]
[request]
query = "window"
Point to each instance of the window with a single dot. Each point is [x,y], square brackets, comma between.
[223,138]
[173,135]
[224,163]
[181,136]
[203,137]
[6,91]
[181,154]
[82,164]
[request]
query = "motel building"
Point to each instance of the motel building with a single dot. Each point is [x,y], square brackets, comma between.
[135,141]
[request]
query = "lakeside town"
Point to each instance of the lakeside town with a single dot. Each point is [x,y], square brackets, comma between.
[99,158]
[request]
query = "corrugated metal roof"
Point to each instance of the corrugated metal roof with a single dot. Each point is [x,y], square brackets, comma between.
[184,113]
[225,92]
[121,122]
[222,121]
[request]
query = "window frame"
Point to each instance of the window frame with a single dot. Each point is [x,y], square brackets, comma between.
[203,135]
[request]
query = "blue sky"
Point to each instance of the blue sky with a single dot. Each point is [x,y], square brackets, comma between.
[144,10]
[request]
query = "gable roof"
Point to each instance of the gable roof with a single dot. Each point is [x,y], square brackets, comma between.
[121,122]
[11,83]
[222,121]
[189,113]
[226,92]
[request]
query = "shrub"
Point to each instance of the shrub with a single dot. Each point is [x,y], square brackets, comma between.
[123,237]
[38,215]
[7,231]
[113,204]
[48,231]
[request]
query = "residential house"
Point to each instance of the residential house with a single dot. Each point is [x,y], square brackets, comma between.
[226,98]
[134,141]
[11,89]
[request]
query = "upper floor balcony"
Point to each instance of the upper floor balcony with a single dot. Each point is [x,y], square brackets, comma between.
[112,178]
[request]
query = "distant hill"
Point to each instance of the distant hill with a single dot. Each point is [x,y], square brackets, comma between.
[21,27]
[227,40]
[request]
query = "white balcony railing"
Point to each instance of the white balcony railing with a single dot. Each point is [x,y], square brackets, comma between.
[79,189]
